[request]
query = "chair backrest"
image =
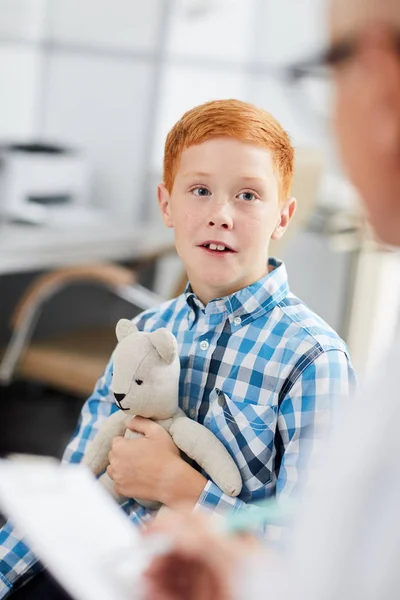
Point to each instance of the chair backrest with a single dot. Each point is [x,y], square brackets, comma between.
[118,279]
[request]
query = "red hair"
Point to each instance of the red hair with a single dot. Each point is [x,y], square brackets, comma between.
[235,119]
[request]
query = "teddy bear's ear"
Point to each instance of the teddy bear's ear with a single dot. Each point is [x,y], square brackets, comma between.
[165,344]
[124,327]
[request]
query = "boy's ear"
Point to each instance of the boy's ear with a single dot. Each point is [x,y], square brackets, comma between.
[286,213]
[164,202]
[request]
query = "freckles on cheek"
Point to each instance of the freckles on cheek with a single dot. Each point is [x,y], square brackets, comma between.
[188,221]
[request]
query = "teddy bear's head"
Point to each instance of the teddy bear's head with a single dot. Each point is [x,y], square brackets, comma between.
[146,371]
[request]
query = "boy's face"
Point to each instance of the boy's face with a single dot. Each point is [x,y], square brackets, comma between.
[224,208]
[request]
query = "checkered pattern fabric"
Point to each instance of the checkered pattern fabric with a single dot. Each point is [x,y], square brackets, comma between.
[259,369]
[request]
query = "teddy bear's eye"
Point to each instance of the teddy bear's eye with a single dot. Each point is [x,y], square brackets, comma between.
[139,381]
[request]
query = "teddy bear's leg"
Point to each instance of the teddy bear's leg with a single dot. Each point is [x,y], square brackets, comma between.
[200,444]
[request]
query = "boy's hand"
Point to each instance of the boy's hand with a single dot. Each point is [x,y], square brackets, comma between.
[151,467]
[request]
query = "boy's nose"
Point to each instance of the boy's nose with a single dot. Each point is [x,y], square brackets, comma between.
[221,217]
[222,223]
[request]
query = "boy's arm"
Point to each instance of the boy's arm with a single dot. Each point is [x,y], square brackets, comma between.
[96,409]
[16,559]
[303,418]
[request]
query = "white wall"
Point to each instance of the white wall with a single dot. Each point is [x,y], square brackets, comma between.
[227,51]
[82,73]
[112,76]
[22,25]
[374,310]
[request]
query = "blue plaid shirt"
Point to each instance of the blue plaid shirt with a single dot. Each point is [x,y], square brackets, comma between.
[258,368]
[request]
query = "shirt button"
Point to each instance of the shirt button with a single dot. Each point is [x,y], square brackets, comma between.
[237,320]
[192,413]
[221,400]
[204,345]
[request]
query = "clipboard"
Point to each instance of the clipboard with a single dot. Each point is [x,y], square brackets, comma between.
[74,528]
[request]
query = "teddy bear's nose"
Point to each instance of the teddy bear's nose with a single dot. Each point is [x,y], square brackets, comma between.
[119,397]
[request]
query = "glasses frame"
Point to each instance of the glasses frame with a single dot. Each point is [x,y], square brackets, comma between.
[334,57]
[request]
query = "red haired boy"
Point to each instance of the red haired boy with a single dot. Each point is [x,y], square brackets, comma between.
[259,368]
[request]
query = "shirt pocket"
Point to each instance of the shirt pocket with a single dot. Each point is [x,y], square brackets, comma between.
[248,431]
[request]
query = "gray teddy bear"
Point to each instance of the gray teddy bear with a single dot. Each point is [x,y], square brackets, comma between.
[145,382]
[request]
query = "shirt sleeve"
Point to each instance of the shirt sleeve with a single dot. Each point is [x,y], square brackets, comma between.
[304,416]
[96,409]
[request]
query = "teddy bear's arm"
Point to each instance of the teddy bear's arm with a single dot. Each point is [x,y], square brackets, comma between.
[204,447]
[96,455]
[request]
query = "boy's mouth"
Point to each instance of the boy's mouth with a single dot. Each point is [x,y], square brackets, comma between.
[216,247]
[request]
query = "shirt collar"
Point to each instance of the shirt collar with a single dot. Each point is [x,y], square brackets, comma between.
[251,301]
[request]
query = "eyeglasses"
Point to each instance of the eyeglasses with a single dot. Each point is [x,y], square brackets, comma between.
[334,57]
[319,65]
[310,84]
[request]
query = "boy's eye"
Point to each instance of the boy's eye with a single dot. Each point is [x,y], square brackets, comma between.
[200,191]
[248,196]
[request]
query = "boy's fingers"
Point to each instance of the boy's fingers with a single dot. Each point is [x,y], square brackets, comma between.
[142,425]
[115,441]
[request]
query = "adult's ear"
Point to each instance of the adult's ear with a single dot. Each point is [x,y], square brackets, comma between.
[286,214]
[164,203]
[165,344]
[124,328]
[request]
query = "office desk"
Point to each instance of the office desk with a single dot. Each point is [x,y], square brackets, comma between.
[25,248]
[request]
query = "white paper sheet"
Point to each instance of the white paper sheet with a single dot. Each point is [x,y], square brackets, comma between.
[74,527]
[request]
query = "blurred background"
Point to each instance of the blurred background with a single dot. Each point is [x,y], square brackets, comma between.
[88,92]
